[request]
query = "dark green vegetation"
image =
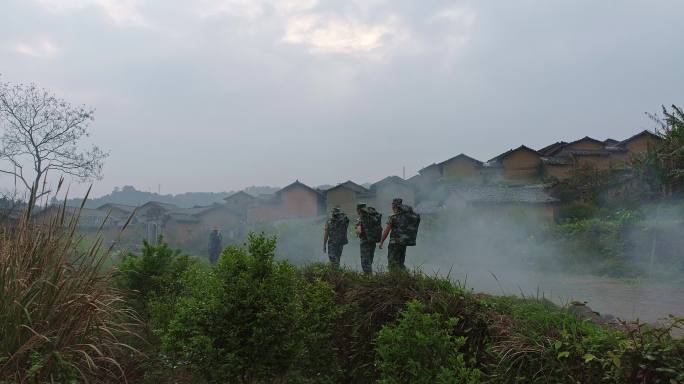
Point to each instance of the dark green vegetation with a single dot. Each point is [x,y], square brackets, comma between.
[663,167]
[253,319]
[643,242]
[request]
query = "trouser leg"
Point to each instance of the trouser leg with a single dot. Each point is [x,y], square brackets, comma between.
[367,254]
[335,253]
[396,255]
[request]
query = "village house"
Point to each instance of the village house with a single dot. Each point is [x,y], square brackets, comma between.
[519,165]
[559,159]
[89,220]
[460,168]
[533,201]
[432,172]
[240,202]
[189,228]
[590,152]
[389,188]
[295,201]
[346,195]
[120,211]
[151,218]
[559,168]
[639,143]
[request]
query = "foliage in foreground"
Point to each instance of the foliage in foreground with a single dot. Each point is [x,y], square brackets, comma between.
[252,319]
[662,166]
[60,319]
[420,349]
[153,277]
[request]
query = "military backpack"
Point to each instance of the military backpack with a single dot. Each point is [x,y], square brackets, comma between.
[371,220]
[407,223]
[337,229]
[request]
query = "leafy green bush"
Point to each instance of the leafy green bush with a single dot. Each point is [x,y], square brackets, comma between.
[578,211]
[420,348]
[535,341]
[598,245]
[252,318]
[152,280]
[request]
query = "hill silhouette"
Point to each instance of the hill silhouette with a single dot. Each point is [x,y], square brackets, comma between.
[130,196]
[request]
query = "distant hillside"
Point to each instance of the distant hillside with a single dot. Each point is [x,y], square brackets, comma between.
[130,196]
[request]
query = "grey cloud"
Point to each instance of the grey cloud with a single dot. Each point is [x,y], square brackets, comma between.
[222,101]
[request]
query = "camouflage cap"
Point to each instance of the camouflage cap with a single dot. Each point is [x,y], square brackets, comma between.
[360,205]
[397,202]
[336,210]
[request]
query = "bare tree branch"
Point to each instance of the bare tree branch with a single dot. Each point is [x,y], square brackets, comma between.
[46,132]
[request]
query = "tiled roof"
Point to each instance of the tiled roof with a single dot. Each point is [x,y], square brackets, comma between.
[390,180]
[166,206]
[504,155]
[552,149]
[350,185]
[433,165]
[461,156]
[642,133]
[239,193]
[193,214]
[557,147]
[123,207]
[297,183]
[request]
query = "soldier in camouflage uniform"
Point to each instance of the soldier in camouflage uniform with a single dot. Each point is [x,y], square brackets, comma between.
[335,235]
[367,246]
[215,245]
[399,230]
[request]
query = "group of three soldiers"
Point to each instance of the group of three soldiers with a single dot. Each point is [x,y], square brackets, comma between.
[401,227]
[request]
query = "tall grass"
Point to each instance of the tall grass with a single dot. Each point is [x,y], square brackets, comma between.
[59,319]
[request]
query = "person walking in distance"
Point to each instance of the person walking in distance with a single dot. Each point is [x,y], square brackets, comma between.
[369,230]
[335,235]
[215,245]
[402,228]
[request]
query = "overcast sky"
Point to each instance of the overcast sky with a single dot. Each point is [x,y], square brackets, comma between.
[215,95]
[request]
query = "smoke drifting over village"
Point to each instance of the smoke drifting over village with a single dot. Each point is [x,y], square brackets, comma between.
[348,191]
[512,128]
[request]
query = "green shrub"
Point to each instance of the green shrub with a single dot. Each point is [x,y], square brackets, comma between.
[535,341]
[252,318]
[318,360]
[152,280]
[647,355]
[420,348]
[578,211]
